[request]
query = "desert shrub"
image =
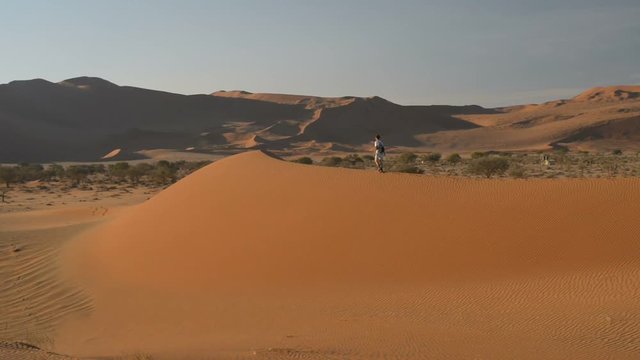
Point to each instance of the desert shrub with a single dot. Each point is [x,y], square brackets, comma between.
[477,155]
[134,173]
[119,170]
[29,172]
[517,171]
[617,152]
[331,161]
[371,158]
[191,166]
[303,160]
[77,173]
[97,169]
[353,159]
[560,149]
[164,172]
[8,175]
[432,157]
[489,166]
[407,158]
[201,164]
[54,171]
[454,158]
[409,169]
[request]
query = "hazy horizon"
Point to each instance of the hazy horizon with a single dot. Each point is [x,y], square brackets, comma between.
[413,52]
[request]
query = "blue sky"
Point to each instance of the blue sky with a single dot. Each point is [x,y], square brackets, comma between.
[493,52]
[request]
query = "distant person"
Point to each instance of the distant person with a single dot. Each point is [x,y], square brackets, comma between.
[379,155]
[546,161]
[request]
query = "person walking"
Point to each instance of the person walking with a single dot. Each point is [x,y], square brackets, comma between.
[379,153]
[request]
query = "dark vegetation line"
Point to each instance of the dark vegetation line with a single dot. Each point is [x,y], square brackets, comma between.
[560,163]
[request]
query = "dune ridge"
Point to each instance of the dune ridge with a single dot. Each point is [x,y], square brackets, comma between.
[82,119]
[253,256]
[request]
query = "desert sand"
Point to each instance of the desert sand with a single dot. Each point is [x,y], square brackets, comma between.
[34,226]
[253,257]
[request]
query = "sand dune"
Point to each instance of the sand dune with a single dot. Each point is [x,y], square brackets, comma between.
[112,154]
[585,123]
[253,257]
[311,102]
[610,93]
[82,119]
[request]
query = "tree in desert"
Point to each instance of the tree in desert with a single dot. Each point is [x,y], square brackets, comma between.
[8,175]
[489,166]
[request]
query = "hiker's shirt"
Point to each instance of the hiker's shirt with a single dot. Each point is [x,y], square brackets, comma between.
[379,146]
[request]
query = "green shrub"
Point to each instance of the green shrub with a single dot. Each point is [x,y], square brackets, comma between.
[303,160]
[371,158]
[407,158]
[454,158]
[331,161]
[164,172]
[489,166]
[29,172]
[54,171]
[119,170]
[77,173]
[97,169]
[432,157]
[617,152]
[477,155]
[134,173]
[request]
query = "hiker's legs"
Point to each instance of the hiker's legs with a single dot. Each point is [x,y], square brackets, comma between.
[379,163]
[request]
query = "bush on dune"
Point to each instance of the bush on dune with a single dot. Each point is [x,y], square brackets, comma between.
[478,155]
[119,170]
[29,172]
[407,158]
[353,159]
[77,173]
[454,158]
[432,157]
[303,160]
[331,161]
[489,166]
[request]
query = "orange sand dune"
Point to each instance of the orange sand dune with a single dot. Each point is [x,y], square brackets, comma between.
[610,93]
[113,153]
[259,258]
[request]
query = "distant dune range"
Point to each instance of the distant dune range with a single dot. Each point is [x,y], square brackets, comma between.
[84,119]
[252,257]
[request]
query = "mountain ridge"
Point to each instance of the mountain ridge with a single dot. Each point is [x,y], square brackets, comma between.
[84,118]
